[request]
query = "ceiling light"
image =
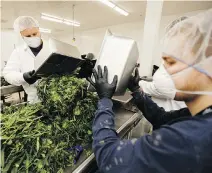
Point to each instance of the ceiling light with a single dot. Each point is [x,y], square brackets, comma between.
[69,22]
[51,16]
[115,7]
[45,30]
[121,11]
[52,19]
[59,20]
[108,3]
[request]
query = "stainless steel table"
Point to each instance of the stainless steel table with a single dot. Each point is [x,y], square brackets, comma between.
[10,89]
[125,121]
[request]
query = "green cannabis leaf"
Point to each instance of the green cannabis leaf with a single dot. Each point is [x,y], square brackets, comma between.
[37,138]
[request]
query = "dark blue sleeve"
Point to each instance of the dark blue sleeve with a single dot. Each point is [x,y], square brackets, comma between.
[163,151]
[156,115]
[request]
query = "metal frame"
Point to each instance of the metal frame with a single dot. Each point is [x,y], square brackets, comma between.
[10,89]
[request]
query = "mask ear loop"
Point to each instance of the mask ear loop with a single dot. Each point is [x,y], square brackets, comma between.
[196,92]
[190,92]
[190,65]
[205,62]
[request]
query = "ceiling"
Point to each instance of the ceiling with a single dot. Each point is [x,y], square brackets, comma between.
[91,14]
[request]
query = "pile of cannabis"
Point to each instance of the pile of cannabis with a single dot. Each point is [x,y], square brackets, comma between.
[38,137]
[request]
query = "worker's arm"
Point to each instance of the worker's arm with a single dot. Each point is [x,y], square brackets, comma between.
[156,115]
[160,152]
[12,72]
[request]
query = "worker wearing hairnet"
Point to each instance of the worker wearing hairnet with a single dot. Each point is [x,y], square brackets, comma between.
[157,89]
[182,139]
[19,69]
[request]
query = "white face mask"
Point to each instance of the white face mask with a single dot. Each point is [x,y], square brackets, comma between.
[164,83]
[32,41]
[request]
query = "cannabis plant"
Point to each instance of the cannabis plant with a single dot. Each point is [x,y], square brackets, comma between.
[40,137]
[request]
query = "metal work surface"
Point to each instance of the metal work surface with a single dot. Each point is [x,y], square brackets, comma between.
[123,98]
[10,89]
[125,121]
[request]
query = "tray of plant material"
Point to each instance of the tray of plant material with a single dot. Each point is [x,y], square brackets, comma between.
[42,137]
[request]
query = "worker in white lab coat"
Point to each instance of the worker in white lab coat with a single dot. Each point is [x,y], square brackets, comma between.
[162,95]
[20,67]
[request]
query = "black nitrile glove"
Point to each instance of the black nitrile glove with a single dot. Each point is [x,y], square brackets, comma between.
[29,77]
[103,88]
[87,66]
[133,83]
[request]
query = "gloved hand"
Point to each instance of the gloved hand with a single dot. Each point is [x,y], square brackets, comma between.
[29,77]
[133,83]
[87,66]
[103,88]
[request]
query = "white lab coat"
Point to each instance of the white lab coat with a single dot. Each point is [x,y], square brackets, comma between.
[23,60]
[163,97]
[159,98]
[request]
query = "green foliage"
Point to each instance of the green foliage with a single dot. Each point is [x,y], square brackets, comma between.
[36,138]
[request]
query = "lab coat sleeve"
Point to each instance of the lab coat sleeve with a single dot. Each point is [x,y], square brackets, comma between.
[159,152]
[156,115]
[151,89]
[12,71]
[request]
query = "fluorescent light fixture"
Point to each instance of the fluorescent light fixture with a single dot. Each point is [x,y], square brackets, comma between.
[59,20]
[108,3]
[115,7]
[121,11]
[45,30]
[51,16]
[69,22]
[51,19]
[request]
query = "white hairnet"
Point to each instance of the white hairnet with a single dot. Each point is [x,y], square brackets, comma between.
[24,22]
[173,23]
[190,41]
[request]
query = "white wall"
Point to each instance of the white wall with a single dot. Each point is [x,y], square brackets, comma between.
[8,40]
[68,38]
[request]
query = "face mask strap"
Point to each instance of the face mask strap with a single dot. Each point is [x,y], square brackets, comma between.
[196,92]
[187,92]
